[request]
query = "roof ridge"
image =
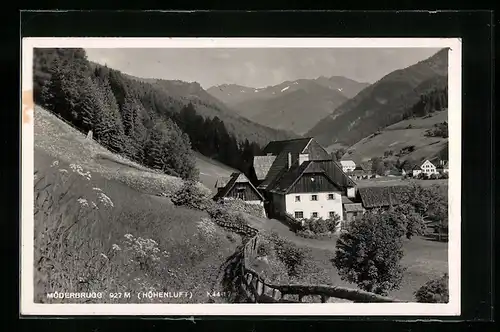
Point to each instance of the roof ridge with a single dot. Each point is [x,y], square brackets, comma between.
[293,139]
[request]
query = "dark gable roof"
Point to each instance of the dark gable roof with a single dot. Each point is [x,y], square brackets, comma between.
[381,196]
[234,179]
[262,165]
[288,179]
[278,166]
[335,172]
[292,145]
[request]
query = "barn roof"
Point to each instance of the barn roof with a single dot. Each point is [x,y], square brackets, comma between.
[292,145]
[262,165]
[336,173]
[288,179]
[236,177]
[282,149]
[381,196]
[354,207]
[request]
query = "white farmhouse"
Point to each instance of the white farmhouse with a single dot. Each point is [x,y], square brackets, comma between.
[299,178]
[426,167]
[348,165]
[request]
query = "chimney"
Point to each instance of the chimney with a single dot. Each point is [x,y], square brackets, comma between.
[303,157]
[289,160]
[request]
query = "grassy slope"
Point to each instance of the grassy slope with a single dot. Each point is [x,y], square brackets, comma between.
[62,141]
[381,103]
[211,170]
[137,212]
[397,136]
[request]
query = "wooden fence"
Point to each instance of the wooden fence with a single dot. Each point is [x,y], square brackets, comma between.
[260,290]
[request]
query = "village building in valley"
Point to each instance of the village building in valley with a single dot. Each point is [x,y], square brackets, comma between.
[299,178]
[348,166]
[428,168]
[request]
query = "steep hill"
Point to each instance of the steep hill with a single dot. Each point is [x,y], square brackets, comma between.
[403,140]
[382,103]
[290,105]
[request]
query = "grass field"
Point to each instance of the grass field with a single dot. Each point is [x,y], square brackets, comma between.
[424,259]
[398,136]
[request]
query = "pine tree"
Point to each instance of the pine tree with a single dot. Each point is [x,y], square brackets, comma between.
[108,126]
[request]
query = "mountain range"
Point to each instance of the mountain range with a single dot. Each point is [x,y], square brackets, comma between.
[206,105]
[382,103]
[291,105]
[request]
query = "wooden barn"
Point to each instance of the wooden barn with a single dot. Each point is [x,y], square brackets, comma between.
[380,196]
[238,186]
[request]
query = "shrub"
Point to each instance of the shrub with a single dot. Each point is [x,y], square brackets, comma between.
[192,196]
[444,175]
[289,253]
[242,206]
[369,253]
[320,225]
[434,291]
[264,247]
[433,176]
[222,216]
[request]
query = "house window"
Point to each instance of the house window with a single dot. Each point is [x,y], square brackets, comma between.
[299,214]
[297,198]
[314,197]
[331,196]
[240,193]
[331,214]
[314,214]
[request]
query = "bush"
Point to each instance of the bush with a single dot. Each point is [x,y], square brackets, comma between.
[289,253]
[191,195]
[320,225]
[369,253]
[242,206]
[222,216]
[434,291]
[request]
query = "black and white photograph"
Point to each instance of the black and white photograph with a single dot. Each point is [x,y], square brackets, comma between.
[305,176]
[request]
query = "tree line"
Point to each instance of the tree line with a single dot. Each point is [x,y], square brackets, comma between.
[137,119]
[434,100]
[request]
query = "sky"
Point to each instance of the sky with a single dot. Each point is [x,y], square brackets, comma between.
[258,67]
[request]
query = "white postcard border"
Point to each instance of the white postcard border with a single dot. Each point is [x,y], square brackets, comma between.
[28,307]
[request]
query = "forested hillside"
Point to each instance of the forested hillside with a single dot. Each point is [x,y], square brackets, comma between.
[382,103]
[144,120]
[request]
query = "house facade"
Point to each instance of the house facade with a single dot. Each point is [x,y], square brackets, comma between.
[238,186]
[299,178]
[348,166]
[426,167]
